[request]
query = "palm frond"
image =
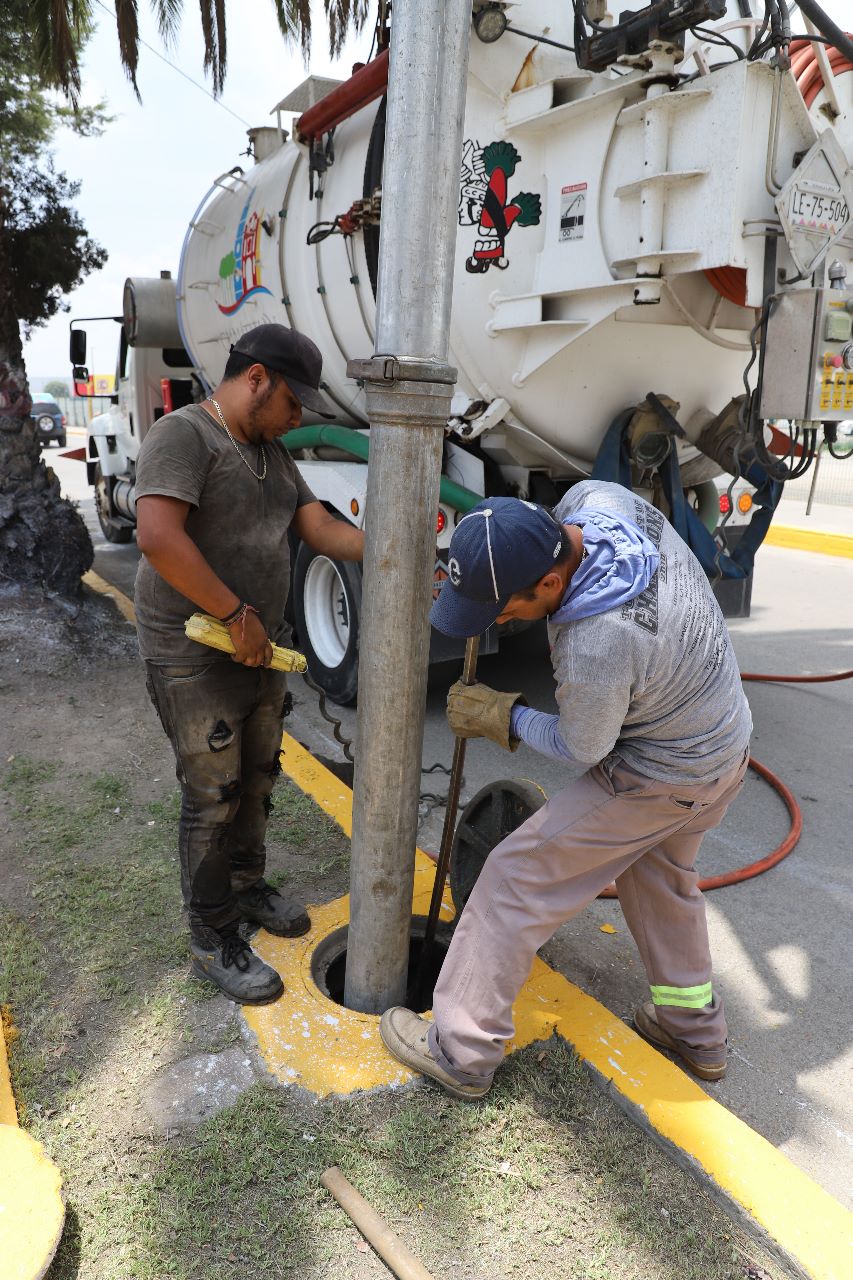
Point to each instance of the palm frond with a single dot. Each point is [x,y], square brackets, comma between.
[214,52]
[59,29]
[127,26]
[294,21]
[168,14]
[343,17]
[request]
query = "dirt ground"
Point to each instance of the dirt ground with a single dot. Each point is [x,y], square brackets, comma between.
[544,1177]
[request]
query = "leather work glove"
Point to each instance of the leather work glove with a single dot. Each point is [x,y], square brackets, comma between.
[476,711]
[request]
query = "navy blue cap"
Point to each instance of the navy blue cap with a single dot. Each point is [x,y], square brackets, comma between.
[502,546]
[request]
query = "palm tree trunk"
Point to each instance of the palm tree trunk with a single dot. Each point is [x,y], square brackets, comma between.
[43,540]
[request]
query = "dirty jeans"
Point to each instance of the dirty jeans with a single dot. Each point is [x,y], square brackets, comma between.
[610,824]
[224,722]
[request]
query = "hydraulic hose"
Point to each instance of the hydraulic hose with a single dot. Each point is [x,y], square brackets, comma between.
[359,446]
[827,27]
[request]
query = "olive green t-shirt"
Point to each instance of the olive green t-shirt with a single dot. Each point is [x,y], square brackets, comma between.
[238,523]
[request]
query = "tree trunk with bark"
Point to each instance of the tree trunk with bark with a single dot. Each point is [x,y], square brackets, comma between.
[43,540]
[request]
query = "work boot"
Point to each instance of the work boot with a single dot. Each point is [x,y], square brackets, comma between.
[711,1068]
[227,960]
[404,1034]
[264,905]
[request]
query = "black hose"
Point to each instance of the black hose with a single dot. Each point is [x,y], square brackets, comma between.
[372,180]
[827,27]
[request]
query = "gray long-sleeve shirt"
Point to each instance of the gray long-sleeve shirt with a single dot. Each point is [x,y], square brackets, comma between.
[656,679]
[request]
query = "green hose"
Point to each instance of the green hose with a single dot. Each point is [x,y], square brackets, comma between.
[454,495]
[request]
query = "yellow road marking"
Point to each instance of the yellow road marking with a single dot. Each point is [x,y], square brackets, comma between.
[828,544]
[8,1111]
[308,1040]
[123,603]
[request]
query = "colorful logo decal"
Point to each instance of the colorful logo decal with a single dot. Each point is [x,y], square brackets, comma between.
[240,270]
[483,202]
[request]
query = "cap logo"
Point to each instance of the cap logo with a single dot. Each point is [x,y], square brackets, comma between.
[454,573]
[558,548]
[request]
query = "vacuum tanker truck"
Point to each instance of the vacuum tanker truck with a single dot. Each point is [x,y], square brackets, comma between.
[651,278]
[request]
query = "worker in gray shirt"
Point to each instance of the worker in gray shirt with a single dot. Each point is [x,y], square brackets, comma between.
[653,729]
[217,498]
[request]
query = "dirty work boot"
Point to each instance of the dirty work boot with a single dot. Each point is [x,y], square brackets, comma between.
[264,905]
[404,1034]
[227,960]
[712,1068]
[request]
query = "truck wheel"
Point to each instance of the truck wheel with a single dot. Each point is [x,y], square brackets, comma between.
[327,609]
[111,528]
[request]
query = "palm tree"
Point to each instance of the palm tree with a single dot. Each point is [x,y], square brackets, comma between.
[42,537]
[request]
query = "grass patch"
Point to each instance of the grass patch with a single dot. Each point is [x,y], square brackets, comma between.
[543,1177]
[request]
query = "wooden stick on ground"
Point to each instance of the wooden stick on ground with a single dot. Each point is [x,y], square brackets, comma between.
[374,1228]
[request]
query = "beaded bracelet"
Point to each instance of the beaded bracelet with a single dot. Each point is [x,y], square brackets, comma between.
[239,615]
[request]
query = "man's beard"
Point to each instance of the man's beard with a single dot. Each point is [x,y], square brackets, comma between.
[253,428]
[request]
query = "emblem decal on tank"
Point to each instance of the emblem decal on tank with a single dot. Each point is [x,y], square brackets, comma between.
[240,270]
[483,202]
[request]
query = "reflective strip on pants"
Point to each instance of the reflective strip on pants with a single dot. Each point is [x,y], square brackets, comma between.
[683,997]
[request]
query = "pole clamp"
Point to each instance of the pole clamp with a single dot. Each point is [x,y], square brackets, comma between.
[388,369]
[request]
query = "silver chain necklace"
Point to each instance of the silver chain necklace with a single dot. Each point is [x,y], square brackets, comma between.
[243,458]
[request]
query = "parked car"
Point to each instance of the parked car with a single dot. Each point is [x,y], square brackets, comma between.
[50,420]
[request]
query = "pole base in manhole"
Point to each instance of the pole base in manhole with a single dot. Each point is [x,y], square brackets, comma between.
[328,964]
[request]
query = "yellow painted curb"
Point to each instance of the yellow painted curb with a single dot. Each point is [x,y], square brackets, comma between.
[122,602]
[32,1211]
[8,1111]
[308,1040]
[828,544]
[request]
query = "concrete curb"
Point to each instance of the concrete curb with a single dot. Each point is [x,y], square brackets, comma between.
[794,539]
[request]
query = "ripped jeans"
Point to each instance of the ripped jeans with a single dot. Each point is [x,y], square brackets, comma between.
[224,722]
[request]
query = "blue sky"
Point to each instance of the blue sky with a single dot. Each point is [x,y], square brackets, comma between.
[142,180]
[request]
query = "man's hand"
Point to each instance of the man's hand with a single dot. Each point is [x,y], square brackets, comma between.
[251,645]
[476,711]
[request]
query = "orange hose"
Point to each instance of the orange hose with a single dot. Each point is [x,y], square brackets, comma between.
[838,675]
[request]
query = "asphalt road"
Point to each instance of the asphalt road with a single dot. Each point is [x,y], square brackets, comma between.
[782,942]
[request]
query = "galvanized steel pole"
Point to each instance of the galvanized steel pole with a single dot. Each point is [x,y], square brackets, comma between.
[408,384]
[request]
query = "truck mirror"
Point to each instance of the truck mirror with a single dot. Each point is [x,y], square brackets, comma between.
[80,374]
[77,346]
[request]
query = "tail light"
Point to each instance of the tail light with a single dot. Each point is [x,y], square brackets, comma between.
[62,419]
[725,504]
[441,522]
[744,503]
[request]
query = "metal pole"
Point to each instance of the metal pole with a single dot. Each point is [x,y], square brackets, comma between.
[408,384]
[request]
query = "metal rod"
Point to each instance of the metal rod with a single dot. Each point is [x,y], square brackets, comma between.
[374,1228]
[408,403]
[469,674]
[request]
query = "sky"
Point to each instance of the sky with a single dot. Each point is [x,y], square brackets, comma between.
[143,178]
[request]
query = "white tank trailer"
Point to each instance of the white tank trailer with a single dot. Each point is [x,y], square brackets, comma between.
[644,215]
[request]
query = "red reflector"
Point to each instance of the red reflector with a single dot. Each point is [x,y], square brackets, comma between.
[441,522]
[725,505]
[166,392]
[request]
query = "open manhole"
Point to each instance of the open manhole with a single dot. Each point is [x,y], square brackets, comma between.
[329,962]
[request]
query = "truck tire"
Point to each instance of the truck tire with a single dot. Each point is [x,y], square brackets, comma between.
[327,609]
[113,530]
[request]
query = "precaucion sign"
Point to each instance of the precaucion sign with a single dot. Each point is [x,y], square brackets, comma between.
[572,211]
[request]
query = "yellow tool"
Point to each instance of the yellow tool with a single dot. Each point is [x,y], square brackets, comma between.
[212,632]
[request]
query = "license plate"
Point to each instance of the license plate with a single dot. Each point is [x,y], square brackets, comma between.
[819,211]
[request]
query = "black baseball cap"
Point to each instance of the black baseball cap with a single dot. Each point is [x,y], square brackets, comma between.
[294,356]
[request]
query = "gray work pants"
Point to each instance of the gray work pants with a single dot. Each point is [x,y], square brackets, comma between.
[224,721]
[610,824]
